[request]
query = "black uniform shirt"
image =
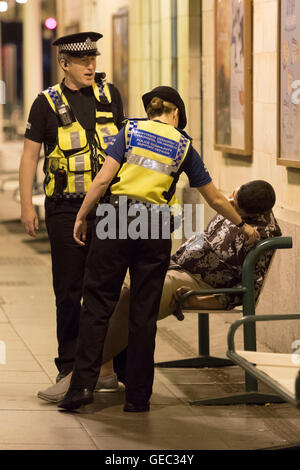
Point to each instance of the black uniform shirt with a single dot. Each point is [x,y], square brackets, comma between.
[42,126]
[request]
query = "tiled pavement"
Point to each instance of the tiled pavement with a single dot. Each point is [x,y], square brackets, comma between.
[27,326]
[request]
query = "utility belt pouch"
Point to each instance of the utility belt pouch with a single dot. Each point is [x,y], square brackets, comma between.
[60,177]
[95,163]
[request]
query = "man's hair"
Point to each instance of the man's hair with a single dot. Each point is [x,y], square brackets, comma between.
[62,56]
[256,197]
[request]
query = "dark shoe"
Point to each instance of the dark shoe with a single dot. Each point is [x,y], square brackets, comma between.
[77,397]
[136,408]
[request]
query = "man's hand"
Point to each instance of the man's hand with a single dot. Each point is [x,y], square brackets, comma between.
[251,233]
[30,220]
[80,229]
[179,292]
[196,301]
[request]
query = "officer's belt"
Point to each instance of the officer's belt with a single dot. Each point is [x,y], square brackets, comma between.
[114,200]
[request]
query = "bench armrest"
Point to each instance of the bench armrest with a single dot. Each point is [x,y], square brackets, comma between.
[226,290]
[256,318]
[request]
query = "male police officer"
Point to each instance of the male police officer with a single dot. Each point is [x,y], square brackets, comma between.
[76,120]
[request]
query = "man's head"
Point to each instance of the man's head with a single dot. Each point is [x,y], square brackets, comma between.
[255,197]
[77,57]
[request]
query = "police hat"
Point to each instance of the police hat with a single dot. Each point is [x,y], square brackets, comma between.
[171,95]
[79,44]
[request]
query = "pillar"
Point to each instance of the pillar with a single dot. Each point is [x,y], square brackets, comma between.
[32,53]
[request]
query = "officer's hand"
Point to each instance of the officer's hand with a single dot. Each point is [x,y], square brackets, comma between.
[30,220]
[251,233]
[79,232]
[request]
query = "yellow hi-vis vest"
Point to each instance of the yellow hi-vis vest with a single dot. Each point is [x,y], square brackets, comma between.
[154,155]
[72,152]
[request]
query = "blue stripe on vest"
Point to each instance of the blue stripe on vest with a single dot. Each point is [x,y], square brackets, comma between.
[131,127]
[181,151]
[101,89]
[53,94]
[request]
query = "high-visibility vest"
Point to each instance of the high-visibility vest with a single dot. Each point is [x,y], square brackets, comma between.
[154,155]
[73,153]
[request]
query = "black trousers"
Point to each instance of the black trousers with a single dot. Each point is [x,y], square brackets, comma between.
[68,264]
[106,267]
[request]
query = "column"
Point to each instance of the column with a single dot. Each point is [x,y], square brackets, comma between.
[2,88]
[32,53]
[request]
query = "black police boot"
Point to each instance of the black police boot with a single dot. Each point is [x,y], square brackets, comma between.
[75,398]
[136,408]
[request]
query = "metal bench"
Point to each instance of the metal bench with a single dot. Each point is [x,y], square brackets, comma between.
[247,309]
[281,372]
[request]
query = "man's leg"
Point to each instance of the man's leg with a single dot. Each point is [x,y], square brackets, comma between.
[117,334]
[176,278]
[68,262]
[116,341]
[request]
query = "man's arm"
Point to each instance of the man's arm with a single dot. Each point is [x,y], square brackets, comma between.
[198,301]
[96,191]
[27,171]
[222,206]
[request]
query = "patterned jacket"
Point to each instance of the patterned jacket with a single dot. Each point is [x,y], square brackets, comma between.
[217,255]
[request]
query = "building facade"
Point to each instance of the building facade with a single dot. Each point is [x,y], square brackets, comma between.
[147,43]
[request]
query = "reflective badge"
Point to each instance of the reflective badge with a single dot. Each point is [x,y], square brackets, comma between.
[108,139]
[154,143]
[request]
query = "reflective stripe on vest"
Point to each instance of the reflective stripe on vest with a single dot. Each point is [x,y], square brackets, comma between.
[154,154]
[72,152]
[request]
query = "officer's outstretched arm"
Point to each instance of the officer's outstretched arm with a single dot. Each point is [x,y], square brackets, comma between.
[97,190]
[222,206]
[27,171]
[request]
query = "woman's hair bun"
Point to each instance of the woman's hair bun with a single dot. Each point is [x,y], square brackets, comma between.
[157,103]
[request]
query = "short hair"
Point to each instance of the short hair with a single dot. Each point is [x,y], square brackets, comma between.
[158,106]
[256,197]
[62,56]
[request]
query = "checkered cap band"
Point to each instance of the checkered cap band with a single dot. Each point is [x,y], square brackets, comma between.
[86,46]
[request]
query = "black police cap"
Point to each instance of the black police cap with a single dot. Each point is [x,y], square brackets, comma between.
[171,95]
[79,44]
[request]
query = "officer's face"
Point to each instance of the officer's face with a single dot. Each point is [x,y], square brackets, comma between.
[81,71]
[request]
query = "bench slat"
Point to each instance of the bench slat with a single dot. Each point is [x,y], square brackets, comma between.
[269,359]
[284,376]
[277,366]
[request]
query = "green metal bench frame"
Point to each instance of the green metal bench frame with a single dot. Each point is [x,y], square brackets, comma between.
[248,309]
[251,368]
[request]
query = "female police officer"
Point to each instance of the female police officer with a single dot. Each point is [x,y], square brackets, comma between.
[151,153]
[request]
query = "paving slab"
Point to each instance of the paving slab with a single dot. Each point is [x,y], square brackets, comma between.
[27,326]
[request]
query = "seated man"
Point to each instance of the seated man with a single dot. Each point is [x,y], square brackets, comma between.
[213,259]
